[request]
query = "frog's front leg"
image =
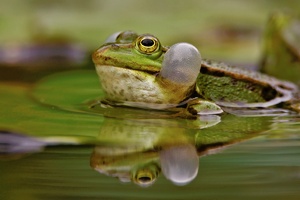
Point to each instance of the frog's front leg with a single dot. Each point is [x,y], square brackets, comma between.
[199,106]
[181,66]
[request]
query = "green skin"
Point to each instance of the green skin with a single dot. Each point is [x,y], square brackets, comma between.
[281,47]
[135,75]
[131,75]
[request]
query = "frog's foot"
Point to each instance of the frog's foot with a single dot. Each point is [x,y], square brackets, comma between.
[121,110]
[203,107]
[258,112]
[103,103]
[296,106]
[106,103]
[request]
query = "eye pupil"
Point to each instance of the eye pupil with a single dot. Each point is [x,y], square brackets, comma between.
[147,42]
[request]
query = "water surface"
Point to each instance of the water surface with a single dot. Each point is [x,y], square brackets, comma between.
[66,149]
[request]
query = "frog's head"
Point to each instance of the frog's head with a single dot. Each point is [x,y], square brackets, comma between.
[278,20]
[137,68]
[131,51]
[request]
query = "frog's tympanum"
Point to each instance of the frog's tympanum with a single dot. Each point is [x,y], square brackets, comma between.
[136,70]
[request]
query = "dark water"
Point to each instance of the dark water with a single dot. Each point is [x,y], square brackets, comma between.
[253,170]
[55,146]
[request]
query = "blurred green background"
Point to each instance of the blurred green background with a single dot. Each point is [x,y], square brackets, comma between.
[228,30]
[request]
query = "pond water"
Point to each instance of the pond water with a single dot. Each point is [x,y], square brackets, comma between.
[56,142]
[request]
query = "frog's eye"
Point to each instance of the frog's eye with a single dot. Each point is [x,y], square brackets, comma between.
[112,38]
[144,178]
[147,44]
[146,175]
[126,37]
[122,37]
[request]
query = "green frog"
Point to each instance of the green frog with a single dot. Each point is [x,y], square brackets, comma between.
[136,70]
[282,47]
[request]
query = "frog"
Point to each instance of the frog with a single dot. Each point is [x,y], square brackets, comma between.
[136,70]
[281,46]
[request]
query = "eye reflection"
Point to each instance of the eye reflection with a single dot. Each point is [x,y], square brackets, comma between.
[144,179]
[146,175]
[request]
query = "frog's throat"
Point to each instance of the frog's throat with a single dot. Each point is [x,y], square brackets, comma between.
[127,85]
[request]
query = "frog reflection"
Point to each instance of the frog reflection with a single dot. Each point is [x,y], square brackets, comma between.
[140,150]
[178,163]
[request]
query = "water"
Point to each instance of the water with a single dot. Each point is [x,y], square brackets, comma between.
[251,170]
[68,150]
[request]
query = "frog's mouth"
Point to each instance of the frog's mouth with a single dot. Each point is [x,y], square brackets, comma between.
[129,69]
[113,55]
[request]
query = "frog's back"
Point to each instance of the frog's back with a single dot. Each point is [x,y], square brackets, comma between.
[236,87]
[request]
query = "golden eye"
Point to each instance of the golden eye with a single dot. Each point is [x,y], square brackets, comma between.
[147,44]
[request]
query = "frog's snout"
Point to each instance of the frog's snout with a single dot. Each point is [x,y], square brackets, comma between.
[99,55]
